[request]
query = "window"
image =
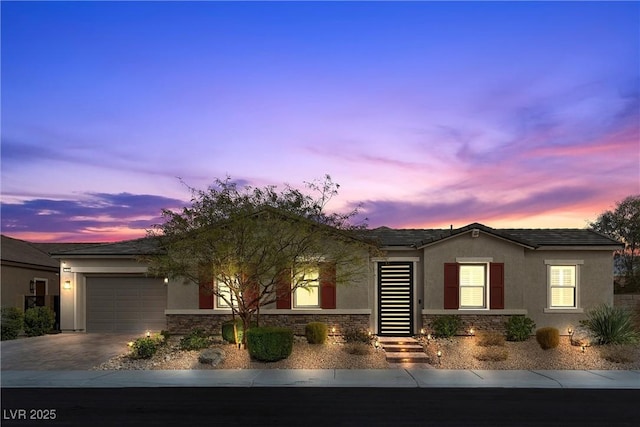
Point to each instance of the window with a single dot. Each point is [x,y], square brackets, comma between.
[562,286]
[307,295]
[473,285]
[224,295]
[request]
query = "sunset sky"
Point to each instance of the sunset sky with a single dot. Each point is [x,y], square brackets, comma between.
[429,114]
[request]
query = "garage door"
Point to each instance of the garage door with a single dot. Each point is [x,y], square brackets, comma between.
[126,304]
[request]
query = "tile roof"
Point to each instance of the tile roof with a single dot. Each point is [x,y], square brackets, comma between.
[143,246]
[389,237]
[19,251]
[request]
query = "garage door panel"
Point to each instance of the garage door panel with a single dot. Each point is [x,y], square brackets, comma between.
[125,304]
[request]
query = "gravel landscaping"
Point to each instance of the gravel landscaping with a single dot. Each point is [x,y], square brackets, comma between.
[456,353]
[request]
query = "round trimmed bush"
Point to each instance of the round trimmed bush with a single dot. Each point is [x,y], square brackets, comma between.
[270,343]
[316,332]
[38,321]
[12,322]
[548,338]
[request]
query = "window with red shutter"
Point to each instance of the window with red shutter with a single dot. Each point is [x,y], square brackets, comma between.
[496,286]
[327,285]
[451,286]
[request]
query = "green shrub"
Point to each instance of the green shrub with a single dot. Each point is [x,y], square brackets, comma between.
[38,321]
[12,323]
[227,331]
[356,335]
[548,338]
[165,335]
[519,328]
[489,339]
[269,343]
[358,348]
[316,332]
[446,326]
[611,325]
[144,348]
[197,339]
[492,354]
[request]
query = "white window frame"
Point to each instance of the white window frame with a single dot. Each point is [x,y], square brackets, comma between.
[576,288]
[314,284]
[477,261]
[220,302]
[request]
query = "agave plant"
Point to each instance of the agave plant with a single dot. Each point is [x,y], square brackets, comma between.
[611,325]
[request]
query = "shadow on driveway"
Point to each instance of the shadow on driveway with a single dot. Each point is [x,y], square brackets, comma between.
[62,352]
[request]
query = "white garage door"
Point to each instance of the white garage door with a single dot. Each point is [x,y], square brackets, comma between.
[126,304]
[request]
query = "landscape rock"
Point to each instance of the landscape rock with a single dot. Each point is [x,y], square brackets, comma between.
[582,336]
[211,356]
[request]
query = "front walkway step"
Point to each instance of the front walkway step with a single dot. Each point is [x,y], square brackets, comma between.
[403,351]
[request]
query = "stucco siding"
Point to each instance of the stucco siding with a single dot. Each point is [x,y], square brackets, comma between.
[465,246]
[15,284]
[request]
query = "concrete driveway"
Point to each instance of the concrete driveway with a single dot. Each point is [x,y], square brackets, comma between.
[69,351]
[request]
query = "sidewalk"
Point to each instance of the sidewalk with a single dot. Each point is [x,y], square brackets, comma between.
[384,378]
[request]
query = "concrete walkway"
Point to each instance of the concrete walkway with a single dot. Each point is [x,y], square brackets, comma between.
[391,378]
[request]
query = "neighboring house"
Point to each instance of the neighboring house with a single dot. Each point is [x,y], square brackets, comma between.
[482,274]
[29,275]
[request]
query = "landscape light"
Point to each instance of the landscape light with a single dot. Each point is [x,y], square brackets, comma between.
[583,348]
[148,334]
[422,331]
[570,330]
[472,331]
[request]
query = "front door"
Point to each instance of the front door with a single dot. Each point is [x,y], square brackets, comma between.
[395,298]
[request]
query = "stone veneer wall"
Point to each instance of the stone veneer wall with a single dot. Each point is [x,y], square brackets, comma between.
[489,322]
[212,323]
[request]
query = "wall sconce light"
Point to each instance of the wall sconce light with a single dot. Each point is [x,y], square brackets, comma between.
[166,280]
[570,330]
[67,284]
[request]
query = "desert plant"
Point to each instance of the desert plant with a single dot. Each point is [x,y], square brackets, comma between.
[12,323]
[446,326]
[197,339]
[165,335]
[269,343]
[356,335]
[144,348]
[548,338]
[38,321]
[489,339]
[316,332]
[619,353]
[519,328]
[611,325]
[492,354]
[358,348]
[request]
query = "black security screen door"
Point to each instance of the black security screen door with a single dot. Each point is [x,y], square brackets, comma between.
[395,298]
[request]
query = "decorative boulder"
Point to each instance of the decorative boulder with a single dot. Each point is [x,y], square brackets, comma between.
[211,356]
[582,336]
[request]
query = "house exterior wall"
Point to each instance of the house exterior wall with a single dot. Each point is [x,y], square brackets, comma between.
[595,286]
[525,281]
[75,271]
[15,284]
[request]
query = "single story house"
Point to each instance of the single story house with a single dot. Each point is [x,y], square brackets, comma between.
[482,274]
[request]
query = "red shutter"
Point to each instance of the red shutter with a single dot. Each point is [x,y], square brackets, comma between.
[206,294]
[327,285]
[451,286]
[251,295]
[496,285]
[283,290]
